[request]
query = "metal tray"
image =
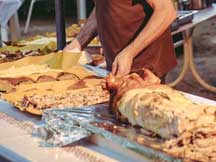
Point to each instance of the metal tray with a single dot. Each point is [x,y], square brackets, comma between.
[130,144]
[183,18]
[64,126]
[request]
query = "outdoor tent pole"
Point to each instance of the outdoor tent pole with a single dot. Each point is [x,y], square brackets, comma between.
[60,24]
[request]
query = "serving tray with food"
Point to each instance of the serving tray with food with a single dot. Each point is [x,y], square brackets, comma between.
[142,114]
[47,88]
[145,116]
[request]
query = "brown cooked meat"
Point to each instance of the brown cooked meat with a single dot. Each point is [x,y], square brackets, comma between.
[188,129]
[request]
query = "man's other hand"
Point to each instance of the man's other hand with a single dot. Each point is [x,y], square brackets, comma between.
[74,46]
[122,64]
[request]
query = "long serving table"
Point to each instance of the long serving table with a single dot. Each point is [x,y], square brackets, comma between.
[187,31]
[17,143]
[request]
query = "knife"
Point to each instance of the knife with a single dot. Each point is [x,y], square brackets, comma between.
[100,72]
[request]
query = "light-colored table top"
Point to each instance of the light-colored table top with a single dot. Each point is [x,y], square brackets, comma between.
[17,143]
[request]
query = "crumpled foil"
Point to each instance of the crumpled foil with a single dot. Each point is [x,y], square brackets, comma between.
[65,126]
[61,127]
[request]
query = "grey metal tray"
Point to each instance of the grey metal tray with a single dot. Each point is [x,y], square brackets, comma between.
[183,17]
[64,126]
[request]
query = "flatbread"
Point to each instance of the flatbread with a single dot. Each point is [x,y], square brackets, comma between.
[56,94]
[13,77]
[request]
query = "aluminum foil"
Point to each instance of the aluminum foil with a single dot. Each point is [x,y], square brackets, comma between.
[61,127]
[64,126]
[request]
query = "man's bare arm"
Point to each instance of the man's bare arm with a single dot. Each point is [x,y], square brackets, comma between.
[164,14]
[87,33]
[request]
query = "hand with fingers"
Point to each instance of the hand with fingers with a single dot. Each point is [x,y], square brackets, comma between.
[74,46]
[122,64]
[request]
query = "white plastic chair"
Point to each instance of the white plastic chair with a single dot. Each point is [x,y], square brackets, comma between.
[29,15]
[81,5]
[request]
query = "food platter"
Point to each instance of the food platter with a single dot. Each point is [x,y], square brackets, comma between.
[95,119]
[72,87]
[66,98]
[54,77]
[143,115]
[194,143]
[89,119]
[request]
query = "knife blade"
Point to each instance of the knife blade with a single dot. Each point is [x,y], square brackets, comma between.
[100,72]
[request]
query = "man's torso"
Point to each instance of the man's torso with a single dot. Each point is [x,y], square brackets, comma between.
[119,22]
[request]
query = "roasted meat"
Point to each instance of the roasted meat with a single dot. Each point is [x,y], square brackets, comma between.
[155,107]
[119,86]
[187,130]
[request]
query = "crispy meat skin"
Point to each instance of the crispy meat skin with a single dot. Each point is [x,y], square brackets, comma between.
[188,130]
[119,86]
